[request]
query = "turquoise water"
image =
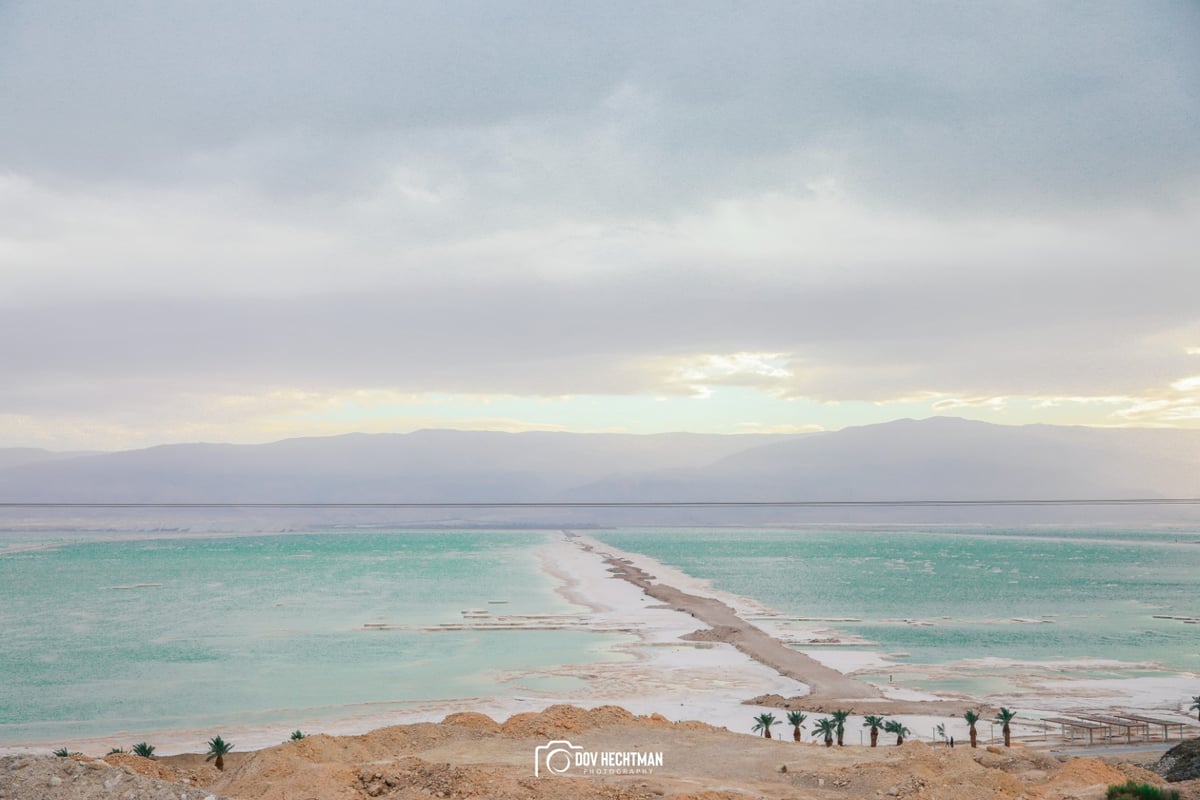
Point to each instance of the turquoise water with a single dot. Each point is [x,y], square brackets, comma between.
[255,630]
[1096,592]
[251,629]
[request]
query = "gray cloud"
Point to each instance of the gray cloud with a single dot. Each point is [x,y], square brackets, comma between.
[546,199]
[1082,328]
[994,104]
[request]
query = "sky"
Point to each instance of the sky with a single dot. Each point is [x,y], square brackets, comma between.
[245,221]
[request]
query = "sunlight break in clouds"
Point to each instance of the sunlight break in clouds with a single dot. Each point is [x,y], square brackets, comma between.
[1191,384]
[754,369]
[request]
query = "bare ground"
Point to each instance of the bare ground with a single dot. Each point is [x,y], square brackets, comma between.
[472,756]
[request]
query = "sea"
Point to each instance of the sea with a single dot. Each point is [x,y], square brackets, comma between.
[129,634]
[975,611]
[141,634]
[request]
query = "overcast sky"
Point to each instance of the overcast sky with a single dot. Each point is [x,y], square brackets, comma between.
[234,221]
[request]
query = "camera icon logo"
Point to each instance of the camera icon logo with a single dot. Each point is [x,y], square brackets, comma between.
[554,758]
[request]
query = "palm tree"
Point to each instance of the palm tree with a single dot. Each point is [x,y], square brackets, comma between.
[896,727]
[218,748]
[796,719]
[144,750]
[874,723]
[1195,706]
[62,752]
[116,751]
[1006,716]
[763,722]
[297,735]
[839,717]
[972,716]
[825,727]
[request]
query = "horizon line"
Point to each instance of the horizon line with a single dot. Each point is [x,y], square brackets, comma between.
[1130,501]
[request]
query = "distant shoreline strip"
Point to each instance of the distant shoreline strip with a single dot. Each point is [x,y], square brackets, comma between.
[1135,501]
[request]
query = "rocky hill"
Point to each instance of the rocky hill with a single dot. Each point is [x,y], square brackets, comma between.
[1181,762]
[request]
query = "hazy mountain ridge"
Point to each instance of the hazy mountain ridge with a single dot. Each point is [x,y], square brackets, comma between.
[936,459]
[950,458]
[20,456]
[424,466]
[933,459]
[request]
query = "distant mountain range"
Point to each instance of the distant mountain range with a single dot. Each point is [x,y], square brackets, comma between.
[20,456]
[934,459]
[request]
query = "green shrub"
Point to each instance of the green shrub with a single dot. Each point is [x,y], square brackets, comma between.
[1140,791]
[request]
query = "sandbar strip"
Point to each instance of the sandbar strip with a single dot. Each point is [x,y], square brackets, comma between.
[725,625]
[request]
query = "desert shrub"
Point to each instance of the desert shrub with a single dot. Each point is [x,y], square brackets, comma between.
[1131,790]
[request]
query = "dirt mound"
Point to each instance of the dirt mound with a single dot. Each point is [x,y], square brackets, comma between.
[54,778]
[329,765]
[277,781]
[654,719]
[472,756]
[380,744]
[697,725]
[1015,761]
[719,633]
[412,778]
[937,773]
[561,721]
[473,721]
[1083,777]
[1140,774]
[142,766]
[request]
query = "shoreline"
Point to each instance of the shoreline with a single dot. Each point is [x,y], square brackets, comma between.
[824,675]
[657,672]
[675,666]
[725,625]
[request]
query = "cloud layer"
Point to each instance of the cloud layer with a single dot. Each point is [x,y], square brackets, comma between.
[982,207]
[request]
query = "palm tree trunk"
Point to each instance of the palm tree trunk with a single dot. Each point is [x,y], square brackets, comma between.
[840,742]
[796,733]
[767,733]
[829,741]
[899,740]
[1007,736]
[874,736]
[974,737]
[220,763]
